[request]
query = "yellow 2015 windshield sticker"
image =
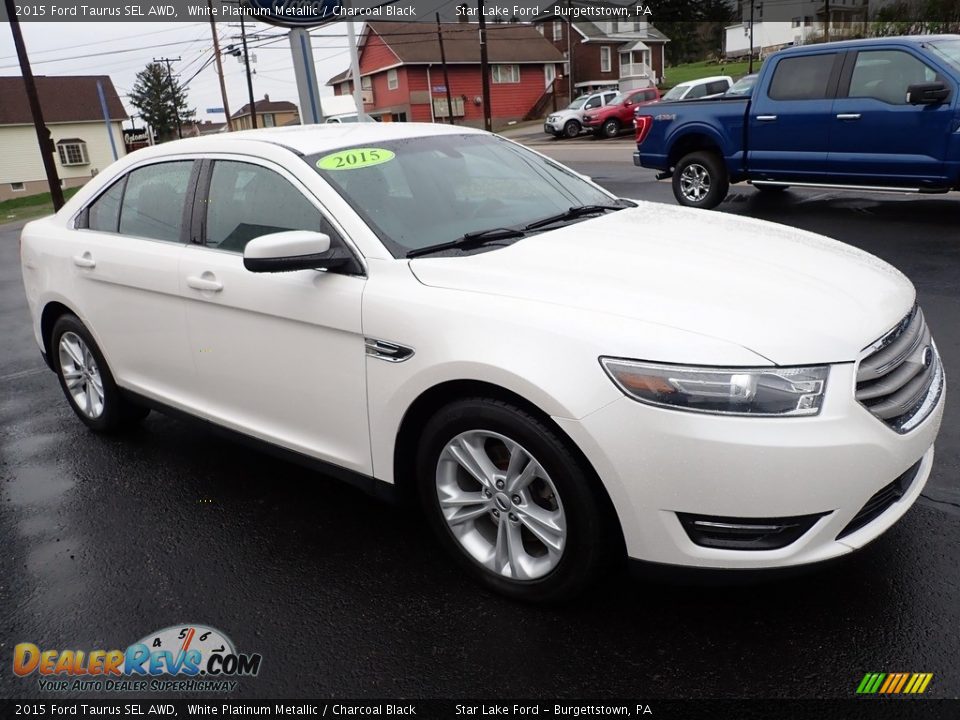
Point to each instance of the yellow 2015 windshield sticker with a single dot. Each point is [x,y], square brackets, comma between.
[355,158]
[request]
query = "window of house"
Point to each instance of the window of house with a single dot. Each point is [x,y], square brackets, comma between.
[246,201]
[885,75]
[502,74]
[392,81]
[557,30]
[540,28]
[605,59]
[269,120]
[802,78]
[73,152]
[796,22]
[152,205]
[17,187]
[366,83]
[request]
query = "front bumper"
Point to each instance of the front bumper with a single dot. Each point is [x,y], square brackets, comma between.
[552,127]
[656,463]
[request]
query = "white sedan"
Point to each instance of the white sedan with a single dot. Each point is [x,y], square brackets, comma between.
[560,376]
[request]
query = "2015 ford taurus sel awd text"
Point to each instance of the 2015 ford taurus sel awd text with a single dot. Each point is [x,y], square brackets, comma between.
[559,375]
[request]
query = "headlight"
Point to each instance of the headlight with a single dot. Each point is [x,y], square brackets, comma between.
[552,118]
[769,391]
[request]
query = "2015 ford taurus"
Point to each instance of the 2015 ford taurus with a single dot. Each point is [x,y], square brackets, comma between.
[559,375]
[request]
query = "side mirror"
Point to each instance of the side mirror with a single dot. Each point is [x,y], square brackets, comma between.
[927,93]
[290,250]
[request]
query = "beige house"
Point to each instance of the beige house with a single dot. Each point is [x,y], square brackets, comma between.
[270,113]
[74,115]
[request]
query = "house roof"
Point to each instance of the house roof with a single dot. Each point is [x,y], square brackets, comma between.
[265,106]
[417,44]
[63,98]
[591,31]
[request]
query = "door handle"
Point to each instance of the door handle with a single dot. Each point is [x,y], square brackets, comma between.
[848,116]
[85,261]
[210,284]
[766,118]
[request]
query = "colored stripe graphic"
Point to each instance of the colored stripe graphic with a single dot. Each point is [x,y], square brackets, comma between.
[894,683]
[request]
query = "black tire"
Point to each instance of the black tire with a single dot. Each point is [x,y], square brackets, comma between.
[571,129]
[714,181]
[771,189]
[611,128]
[591,539]
[117,413]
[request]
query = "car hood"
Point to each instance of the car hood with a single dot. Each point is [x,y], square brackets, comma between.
[566,114]
[791,296]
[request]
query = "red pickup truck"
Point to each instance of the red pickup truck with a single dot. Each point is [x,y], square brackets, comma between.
[610,120]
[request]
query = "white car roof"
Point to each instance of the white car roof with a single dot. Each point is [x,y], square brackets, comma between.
[309,139]
[701,81]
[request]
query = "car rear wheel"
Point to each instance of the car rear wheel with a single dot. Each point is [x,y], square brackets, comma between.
[611,128]
[507,497]
[571,129]
[87,381]
[700,180]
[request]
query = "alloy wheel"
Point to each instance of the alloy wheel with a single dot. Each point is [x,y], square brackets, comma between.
[81,375]
[501,505]
[695,182]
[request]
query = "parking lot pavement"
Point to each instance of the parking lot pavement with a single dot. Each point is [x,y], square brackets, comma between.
[103,540]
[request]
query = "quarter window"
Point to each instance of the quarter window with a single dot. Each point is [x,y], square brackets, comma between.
[885,75]
[802,78]
[503,74]
[73,152]
[152,205]
[246,201]
[104,214]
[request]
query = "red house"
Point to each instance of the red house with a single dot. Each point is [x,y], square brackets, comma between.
[401,75]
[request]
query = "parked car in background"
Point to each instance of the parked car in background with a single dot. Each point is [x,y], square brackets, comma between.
[610,120]
[742,87]
[569,121]
[437,313]
[877,113]
[701,89]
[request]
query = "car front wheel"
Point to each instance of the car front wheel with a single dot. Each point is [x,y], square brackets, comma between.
[510,501]
[87,381]
[571,129]
[700,180]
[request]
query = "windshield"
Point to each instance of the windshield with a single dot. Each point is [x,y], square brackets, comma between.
[676,93]
[743,86]
[428,190]
[578,103]
[948,50]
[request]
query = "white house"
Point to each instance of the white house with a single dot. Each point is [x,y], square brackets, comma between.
[73,113]
[790,22]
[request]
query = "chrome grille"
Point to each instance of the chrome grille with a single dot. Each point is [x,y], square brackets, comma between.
[900,378]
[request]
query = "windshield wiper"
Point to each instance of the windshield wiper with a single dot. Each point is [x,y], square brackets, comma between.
[577,212]
[469,240]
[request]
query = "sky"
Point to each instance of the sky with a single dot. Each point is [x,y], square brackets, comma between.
[120,50]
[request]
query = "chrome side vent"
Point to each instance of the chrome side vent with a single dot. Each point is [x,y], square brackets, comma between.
[900,377]
[391,352]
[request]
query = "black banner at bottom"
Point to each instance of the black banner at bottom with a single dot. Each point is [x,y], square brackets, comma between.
[854,709]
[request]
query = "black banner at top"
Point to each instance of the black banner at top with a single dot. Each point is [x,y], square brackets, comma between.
[894,16]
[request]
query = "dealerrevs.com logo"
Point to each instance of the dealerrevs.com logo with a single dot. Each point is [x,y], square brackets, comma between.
[182,658]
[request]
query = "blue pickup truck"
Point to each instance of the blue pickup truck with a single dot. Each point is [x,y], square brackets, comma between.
[876,114]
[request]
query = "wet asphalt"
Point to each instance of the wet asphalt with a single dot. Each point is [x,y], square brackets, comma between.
[103,540]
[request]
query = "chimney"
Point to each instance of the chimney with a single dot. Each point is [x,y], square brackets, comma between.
[266,98]
[462,15]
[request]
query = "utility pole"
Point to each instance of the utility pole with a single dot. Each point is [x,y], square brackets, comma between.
[173,95]
[484,69]
[43,134]
[446,75]
[216,55]
[750,64]
[246,62]
[569,54]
